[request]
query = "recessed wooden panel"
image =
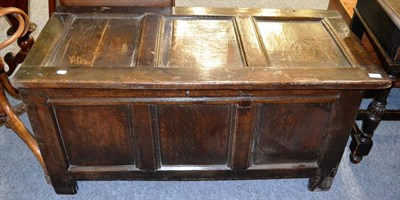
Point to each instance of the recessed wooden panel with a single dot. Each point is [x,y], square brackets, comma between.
[300,44]
[99,42]
[194,134]
[96,135]
[200,43]
[290,133]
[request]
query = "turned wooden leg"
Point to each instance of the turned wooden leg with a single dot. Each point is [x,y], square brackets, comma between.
[356,26]
[361,142]
[25,43]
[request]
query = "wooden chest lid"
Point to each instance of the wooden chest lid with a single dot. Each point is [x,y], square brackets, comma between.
[198,48]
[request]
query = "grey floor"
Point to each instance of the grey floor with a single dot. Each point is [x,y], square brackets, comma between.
[377,177]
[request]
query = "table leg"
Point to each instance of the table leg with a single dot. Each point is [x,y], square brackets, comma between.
[361,142]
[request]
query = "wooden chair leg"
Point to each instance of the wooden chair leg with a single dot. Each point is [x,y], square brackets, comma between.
[25,43]
[13,122]
[8,115]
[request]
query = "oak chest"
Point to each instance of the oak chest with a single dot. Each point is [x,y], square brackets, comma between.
[194,94]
